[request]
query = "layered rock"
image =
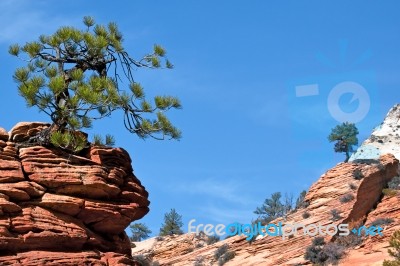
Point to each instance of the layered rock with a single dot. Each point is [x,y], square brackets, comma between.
[361,181]
[384,139]
[323,196]
[58,208]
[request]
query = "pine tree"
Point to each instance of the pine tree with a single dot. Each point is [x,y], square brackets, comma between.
[139,232]
[300,203]
[345,136]
[394,242]
[271,209]
[76,76]
[172,224]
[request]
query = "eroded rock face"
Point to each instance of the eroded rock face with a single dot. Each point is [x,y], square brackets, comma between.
[62,209]
[384,139]
[323,196]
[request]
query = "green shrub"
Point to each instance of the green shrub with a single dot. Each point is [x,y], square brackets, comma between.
[226,257]
[199,245]
[389,192]
[212,239]
[223,254]
[335,215]
[352,186]
[351,240]
[320,253]
[142,260]
[306,214]
[358,175]
[199,261]
[346,198]
[382,221]
[394,243]
[300,202]
[221,251]
[394,183]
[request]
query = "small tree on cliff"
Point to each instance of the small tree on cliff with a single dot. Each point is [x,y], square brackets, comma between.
[300,202]
[394,242]
[76,76]
[172,224]
[271,209]
[139,232]
[345,136]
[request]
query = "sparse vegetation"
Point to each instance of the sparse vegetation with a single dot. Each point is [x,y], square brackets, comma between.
[306,214]
[199,245]
[335,215]
[351,240]
[142,260]
[223,254]
[352,186]
[159,238]
[320,253]
[394,183]
[394,243]
[346,198]
[382,221]
[381,167]
[172,224]
[139,232]
[389,192]
[188,250]
[300,202]
[271,209]
[212,239]
[199,261]
[345,136]
[357,174]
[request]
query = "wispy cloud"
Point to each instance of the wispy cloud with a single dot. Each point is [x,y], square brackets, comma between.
[25,20]
[227,215]
[227,191]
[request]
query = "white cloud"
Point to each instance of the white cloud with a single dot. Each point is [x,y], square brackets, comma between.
[229,191]
[26,20]
[226,215]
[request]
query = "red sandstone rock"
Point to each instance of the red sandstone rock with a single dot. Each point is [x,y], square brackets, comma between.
[40,258]
[11,171]
[323,196]
[74,207]
[3,134]
[24,130]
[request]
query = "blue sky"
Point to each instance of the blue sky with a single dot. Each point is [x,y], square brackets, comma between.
[237,66]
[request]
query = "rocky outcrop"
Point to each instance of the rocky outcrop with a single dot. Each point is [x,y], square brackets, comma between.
[362,206]
[384,139]
[58,208]
[354,190]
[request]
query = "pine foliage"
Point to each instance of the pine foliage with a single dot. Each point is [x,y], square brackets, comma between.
[345,136]
[172,224]
[394,242]
[139,232]
[76,76]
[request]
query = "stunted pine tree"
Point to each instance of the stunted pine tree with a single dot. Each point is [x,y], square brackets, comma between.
[394,243]
[77,76]
[271,209]
[345,136]
[300,203]
[139,232]
[172,224]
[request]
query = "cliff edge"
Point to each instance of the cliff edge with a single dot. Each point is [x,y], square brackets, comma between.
[62,209]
